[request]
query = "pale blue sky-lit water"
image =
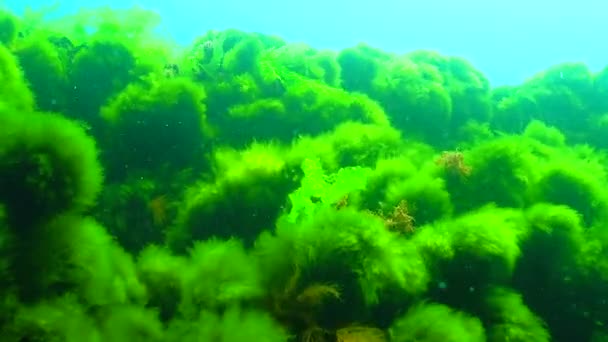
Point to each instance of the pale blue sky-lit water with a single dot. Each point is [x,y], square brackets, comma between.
[507,40]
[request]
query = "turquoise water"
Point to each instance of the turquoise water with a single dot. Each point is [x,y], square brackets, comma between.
[260,172]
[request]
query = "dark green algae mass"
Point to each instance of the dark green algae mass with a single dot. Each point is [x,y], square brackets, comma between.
[244,188]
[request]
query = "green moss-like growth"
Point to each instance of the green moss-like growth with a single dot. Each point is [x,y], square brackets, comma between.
[275,91]
[48,165]
[511,320]
[310,99]
[246,197]
[14,90]
[600,90]
[556,235]
[65,319]
[243,56]
[431,96]
[45,59]
[85,259]
[504,165]
[548,273]
[359,67]
[241,90]
[60,319]
[481,247]
[157,126]
[235,324]
[307,107]
[598,130]
[9,28]
[576,182]
[137,210]
[334,267]
[98,72]
[219,274]
[435,323]
[469,89]
[354,243]
[598,123]
[131,323]
[72,254]
[324,257]
[101,50]
[349,144]
[218,54]
[545,134]
[395,168]
[415,99]
[512,109]
[426,197]
[305,61]
[162,273]
[489,235]
[560,96]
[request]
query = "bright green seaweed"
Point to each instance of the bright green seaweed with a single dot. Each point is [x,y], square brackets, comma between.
[249,189]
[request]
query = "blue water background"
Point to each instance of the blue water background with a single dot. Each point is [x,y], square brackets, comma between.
[508,40]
